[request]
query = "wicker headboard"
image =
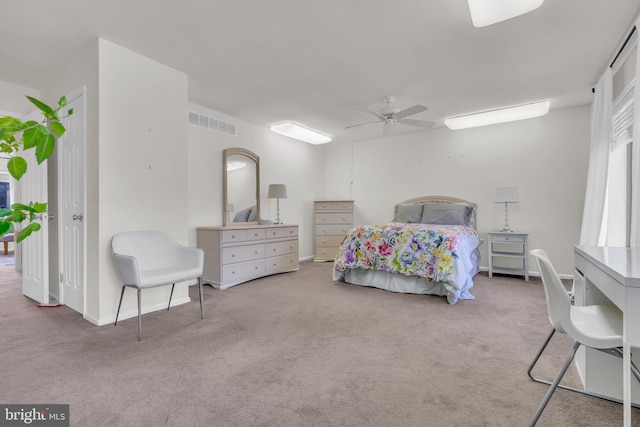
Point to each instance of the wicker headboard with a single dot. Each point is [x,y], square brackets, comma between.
[441,199]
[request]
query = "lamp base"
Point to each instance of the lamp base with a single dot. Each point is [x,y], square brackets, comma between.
[506,230]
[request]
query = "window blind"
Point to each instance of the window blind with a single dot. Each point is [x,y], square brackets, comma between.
[623,120]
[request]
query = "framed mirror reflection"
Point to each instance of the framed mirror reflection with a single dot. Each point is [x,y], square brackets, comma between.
[241,187]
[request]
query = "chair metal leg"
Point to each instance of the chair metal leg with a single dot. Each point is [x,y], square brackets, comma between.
[170,296]
[553,387]
[119,304]
[139,317]
[535,359]
[200,292]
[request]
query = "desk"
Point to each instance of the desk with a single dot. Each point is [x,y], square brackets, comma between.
[616,273]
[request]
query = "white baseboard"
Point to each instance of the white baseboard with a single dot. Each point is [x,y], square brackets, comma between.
[134,313]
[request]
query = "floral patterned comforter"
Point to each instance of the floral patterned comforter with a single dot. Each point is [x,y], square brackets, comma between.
[437,253]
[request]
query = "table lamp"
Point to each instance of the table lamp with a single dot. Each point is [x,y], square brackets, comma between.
[277,191]
[506,195]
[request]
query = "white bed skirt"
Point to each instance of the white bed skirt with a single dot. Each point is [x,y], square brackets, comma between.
[406,284]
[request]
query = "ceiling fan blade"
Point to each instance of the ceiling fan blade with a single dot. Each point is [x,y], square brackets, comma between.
[420,123]
[373,113]
[411,111]
[362,124]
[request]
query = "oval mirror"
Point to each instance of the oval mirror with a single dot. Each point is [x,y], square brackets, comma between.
[241,187]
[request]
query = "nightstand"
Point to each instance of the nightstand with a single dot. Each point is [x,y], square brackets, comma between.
[508,253]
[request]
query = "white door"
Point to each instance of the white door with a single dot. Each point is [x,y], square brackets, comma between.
[32,187]
[71,203]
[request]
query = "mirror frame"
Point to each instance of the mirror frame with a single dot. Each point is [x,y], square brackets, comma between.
[253,156]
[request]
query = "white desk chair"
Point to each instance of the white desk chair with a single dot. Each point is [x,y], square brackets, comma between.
[147,259]
[571,293]
[595,326]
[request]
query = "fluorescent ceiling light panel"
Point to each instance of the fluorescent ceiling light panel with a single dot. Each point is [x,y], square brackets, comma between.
[487,12]
[503,115]
[294,130]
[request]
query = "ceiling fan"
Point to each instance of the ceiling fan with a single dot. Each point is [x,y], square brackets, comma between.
[391,115]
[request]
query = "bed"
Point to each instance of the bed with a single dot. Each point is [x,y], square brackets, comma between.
[430,247]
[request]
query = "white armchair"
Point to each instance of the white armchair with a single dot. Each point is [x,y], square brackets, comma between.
[147,259]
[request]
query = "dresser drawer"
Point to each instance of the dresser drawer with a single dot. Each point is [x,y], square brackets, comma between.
[281,248]
[325,252]
[241,270]
[324,206]
[242,253]
[282,262]
[334,218]
[332,230]
[329,240]
[290,231]
[229,236]
[275,233]
[256,234]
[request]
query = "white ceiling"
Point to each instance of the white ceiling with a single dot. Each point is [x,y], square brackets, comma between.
[317,62]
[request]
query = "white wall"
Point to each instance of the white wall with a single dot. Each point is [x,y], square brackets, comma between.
[282,161]
[142,170]
[546,158]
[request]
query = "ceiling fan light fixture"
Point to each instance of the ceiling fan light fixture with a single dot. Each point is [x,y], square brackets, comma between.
[502,115]
[296,131]
[487,12]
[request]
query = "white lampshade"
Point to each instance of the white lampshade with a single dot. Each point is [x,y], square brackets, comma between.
[506,195]
[487,12]
[277,191]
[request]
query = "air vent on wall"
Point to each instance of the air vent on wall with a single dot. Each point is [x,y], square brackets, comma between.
[201,120]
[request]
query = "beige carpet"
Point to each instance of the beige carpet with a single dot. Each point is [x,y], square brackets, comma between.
[296,350]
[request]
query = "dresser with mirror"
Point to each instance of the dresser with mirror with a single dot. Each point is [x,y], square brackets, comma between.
[245,247]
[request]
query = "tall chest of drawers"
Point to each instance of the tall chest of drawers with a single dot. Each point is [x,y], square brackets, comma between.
[234,255]
[332,221]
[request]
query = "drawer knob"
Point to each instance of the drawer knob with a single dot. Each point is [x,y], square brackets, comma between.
[233,255]
[255,252]
[256,267]
[274,249]
[233,236]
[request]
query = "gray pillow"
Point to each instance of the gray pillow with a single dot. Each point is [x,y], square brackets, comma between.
[447,214]
[408,213]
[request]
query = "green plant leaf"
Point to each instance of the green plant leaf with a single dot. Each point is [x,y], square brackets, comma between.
[34,136]
[40,207]
[57,128]
[26,232]
[4,212]
[11,124]
[45,148]
[69,111]
[48,111]
[17,167]
[5,227]
[62,102]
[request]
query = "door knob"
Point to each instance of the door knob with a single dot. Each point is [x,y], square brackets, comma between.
[77,217]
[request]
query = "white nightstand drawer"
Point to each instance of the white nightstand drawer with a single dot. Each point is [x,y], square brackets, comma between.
[508,248]
[517,238]
[334,218]
[242,253]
